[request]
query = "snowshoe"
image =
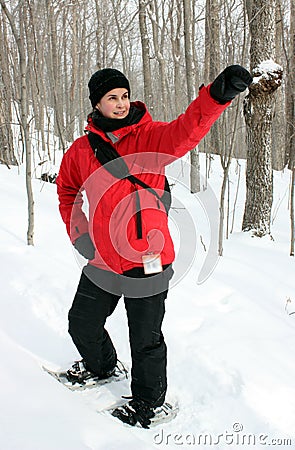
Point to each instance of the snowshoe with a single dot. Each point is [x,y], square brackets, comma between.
[79,378]
[139,413]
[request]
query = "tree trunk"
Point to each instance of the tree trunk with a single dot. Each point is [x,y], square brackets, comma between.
[25,123]
[159,34]
[212,66]
[278,128]
[290,113]
[290,93]
[191,88]
[145,48]
[258,111]
[54,71]
[7,155]
[212,40]
[175,31]
[292,212]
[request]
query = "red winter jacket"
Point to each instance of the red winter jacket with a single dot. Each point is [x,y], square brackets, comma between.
[147,148]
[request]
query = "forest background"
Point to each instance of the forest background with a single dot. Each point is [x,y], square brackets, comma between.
[167,49]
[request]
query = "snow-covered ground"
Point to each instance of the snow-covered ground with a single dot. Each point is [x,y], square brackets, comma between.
[231,339]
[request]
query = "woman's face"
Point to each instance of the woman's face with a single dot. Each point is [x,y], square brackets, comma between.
[115,104]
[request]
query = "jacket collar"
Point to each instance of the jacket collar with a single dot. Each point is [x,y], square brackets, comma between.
[116,135]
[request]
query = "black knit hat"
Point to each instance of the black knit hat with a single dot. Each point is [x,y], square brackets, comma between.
[104,81]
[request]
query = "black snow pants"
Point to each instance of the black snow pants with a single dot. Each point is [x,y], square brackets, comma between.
[87,317]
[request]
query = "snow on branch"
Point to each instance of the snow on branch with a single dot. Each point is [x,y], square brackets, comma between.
[267,77]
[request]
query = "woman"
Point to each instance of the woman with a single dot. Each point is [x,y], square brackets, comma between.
[125,236]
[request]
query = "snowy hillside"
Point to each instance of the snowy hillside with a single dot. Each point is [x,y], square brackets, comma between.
[231,339]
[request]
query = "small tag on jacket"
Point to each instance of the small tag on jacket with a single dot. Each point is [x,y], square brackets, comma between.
[152,263]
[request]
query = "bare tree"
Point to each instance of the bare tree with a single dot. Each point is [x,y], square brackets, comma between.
[175,18]
[7,155]
[290,113]
[19,36]
[212,39]
[230,127]
[146,58]
[159,18]
[258,111]
[278,126]
[191,87]
[212,143]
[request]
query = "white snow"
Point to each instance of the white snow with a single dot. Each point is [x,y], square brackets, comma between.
[267,69]
[231,339]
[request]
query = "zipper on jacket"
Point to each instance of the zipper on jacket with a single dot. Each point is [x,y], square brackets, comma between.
[138,213]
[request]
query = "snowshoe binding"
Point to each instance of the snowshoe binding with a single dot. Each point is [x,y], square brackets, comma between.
[139,413]
[78,377]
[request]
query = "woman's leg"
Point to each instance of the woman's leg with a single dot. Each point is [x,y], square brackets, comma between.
[148,348]
[87,317]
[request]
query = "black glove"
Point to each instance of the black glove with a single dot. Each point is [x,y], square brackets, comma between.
[85,246]
[231,82]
